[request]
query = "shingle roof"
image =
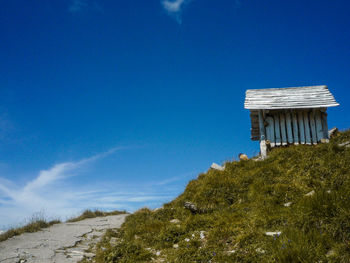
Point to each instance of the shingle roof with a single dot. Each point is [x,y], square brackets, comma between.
[289,98]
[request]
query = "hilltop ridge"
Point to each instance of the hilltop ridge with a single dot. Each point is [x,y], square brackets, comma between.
[292,207]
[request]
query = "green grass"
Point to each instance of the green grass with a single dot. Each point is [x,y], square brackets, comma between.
[244,202]
[94,213]
[36,223]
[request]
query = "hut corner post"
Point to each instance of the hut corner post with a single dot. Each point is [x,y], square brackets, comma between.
[263,147]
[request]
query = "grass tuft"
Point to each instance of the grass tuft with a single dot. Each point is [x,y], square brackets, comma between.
[36,223]
[94,213]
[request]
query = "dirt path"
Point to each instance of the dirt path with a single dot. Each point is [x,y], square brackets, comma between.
[61,243]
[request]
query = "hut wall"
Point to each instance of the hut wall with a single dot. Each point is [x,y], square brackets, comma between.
[299,126]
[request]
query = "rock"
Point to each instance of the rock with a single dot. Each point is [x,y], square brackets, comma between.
[215,166]
[202,234]
[175,221]
[330,253]
[287,204]
[346,144]
[243,157]
[113,241]
[310,193]
[276,233]
[333,132]
[258,159]
[192,207]
[259,250]
[176,246]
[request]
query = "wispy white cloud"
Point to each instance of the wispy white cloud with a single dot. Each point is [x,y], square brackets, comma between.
[175,7]
[51,191]
[174,179]
[46,191]
[77,5]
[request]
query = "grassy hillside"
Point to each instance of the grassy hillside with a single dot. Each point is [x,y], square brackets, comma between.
[239,205]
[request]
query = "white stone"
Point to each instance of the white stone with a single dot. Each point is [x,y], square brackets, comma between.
[276,233]
[217,167]
[288,204]
[259,250]
[330,253]
[176,246]
[310,193]
[347,143]
[202,234]
[175,221]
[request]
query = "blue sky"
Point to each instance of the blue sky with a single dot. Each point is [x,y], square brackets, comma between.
[118,104]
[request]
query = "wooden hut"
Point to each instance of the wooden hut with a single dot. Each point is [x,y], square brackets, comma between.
[289,115]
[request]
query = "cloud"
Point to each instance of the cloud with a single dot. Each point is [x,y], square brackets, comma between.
[174,179]
[53,193]
[174,7]
[46,191]
[77,6]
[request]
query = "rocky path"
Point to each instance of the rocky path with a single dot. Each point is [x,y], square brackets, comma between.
[61,243]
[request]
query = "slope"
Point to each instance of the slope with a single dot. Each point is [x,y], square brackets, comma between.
[292,207]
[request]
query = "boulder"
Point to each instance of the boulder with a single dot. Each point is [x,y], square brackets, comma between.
[192,207]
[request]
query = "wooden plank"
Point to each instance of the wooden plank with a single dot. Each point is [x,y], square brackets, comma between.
[261,126]
[283,129]
[295,128]
[313,127]
[289,127]
[319,129]
[277,129]
[325,125]
[307,128]
[263,148]
[301,127]
[270,131]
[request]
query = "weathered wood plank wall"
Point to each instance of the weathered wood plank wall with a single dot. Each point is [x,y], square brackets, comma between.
[282,127]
